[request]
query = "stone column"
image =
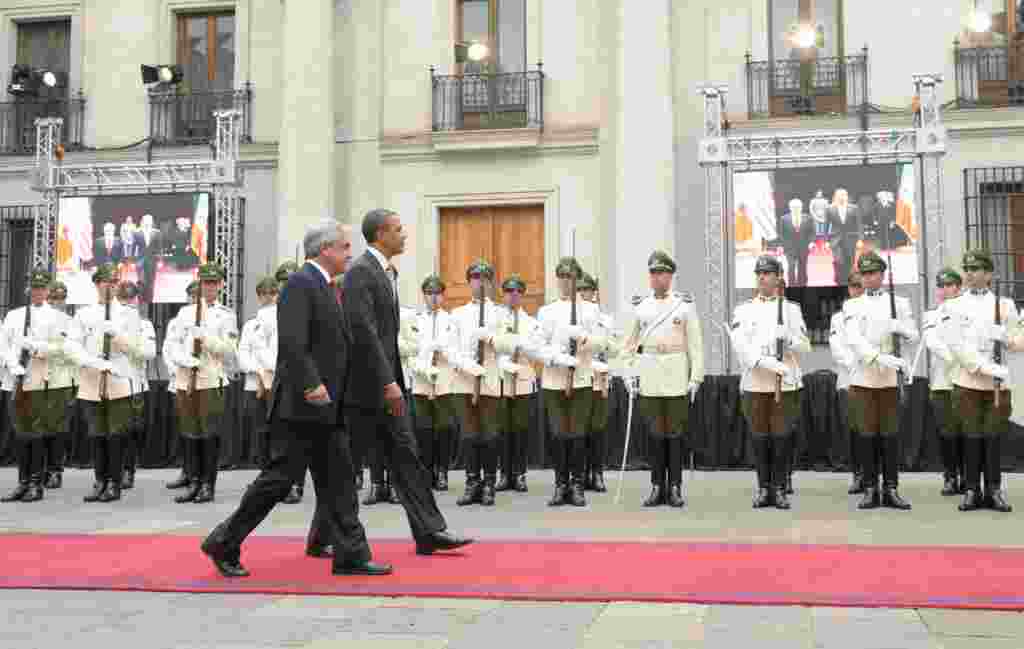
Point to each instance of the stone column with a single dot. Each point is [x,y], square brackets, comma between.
[306,173]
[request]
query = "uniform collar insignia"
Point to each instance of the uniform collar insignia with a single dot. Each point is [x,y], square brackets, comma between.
[979,291]
[874,292]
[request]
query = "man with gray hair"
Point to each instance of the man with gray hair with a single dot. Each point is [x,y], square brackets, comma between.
[309,382]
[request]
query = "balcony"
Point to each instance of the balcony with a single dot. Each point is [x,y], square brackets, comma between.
[18,128]
[818,86]
[989,76]
[180,117]
[488,102]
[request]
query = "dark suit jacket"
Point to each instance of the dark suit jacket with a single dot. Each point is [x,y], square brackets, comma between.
[844,234]
[312,348]
[793,241]
[99,252]
[371,312]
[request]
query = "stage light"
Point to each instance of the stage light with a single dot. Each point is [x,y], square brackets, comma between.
[806,36]
[981,21]
[166,74]
[26,81]
[477,52]
[472,51]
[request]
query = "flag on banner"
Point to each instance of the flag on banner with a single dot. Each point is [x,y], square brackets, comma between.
[906,215]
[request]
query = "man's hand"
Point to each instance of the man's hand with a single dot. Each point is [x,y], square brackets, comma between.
[318,396]
[393,396]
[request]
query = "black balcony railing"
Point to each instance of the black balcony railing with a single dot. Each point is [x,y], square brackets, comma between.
[18,128]
[834,84]
[989,76]
[484,101]
[180,117]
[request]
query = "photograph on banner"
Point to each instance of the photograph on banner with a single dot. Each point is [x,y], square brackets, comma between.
[818,221]
[157,240]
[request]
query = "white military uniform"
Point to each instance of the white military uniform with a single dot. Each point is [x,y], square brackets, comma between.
[868,329]
[519,349]
[258,335]
[974,314]
[842,355]
[433,327]
[466,320]
[668,350]
[551,339]
[50,365]
[755,329]
[941,325]
[132,344]
[220,333]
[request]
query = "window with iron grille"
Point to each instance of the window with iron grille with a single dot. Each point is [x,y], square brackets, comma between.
[46,44]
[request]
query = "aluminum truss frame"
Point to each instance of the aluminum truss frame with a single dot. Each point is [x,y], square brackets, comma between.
[722,155]
[222,175]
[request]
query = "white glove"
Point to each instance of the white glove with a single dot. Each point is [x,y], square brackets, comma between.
[904,329]
[196,332]
[1000,372]
[694,386]
[507,366]
[102,365]
[474,369]
[430,372]
[19,342]
[107,327]
[17,369]
[513,341]
[773,364]
[891,362]
[480,333]
[432,346]
[39,347]
[189,362]
[997,333]
[575,332]
[599,367]
[565,360]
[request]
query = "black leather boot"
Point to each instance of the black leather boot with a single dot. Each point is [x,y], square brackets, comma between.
[780,472]
[947,446]
[128,479]
[869,473]
[24,472]
[181,481]
[205,493]
[359,480]
[762,464]
[781,500]
[473,492]
[997,501]
[35,489]
[393,495]
[599,485]
[190,494]
[891,498]
[949,485]
[17,494]
[970,501]
[55,480]
[505,483]
[294,495]
[442,480]
[870,499]
[375,495]
[675,496]
[972,475]
[995,498]
[576,497]
[856,484]
[890,467]
[487,491]
[521,483]
[763,498]
[98,488]
[558,498]
[656,497]
[112,491]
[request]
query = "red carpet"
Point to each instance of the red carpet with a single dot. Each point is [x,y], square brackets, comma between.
[822,575]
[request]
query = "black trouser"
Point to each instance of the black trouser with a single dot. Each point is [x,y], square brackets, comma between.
[395,446]
[297,446]
[665,455]
[259,429]
[569,457]
[108,457]
[203,458]
[133,444]
[513,453]
[31,457]
[55,453]
[595,448]
[481,457]
[772,456]
[435,448]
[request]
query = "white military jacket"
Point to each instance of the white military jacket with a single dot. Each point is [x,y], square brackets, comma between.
[426,327]
[552,339]
[133,343]
[602,372]
[466,319]
[140,362]
[219,341]
[940,326]
[52,368]
[519,348]
[973,312]
[666,348]
[258,346]
[754,330]
[842,355]
[867,326]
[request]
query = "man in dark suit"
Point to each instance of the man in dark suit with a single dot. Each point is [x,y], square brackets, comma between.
[797,233]
[106,249]
[375,402]
[148,243]
[304,414]
[844,227]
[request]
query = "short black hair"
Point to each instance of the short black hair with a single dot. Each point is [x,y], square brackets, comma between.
[373,221]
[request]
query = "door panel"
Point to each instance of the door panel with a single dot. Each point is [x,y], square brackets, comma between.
[510,237]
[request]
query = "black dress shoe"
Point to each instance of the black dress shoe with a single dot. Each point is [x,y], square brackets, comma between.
[112,492]
[560,495]
[521,483]
[16,495]
[781,500]
[675,496]
[190,495]
[443,540]
[181,481]
[97,490]
[870,499]
[763,498]
[34,493]
[359,481]
[205,493]
[857,485]
[320,552]
[375,495]
[655,498]
[891,498]
[949,486]
[366,568]
[969,502]
[294,496]
[997,502]
[442,481]
[505,483]
[576,497]
[55,481]
[227,565]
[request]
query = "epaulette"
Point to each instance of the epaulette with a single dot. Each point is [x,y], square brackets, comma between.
[685,296]
[636,299]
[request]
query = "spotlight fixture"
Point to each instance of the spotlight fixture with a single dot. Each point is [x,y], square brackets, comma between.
[166,74]
[26,81]
[981,21]
[471,51]
[806,36]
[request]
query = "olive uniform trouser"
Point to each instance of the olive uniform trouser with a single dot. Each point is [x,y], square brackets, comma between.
[108,424]
[199,418]
[481,428]
[597,439]
[984,427]
[771,430]
[875,414]
[668,423]
[434,418]
[569,420]
[947,425]
[517,434]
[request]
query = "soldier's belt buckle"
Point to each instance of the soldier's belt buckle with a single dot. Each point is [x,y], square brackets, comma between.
[661,348]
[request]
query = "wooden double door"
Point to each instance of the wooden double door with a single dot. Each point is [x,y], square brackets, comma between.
[509,237]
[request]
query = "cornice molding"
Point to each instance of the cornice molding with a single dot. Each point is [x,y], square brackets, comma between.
[428,147]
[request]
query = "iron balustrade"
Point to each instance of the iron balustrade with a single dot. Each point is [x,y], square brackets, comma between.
[178,116]
[984,74]
[500,100]
[18,122]
[836,76]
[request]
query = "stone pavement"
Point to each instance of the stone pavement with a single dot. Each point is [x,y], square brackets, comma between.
[719,510]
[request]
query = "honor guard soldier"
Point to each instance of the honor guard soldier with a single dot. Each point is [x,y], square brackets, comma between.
[666,351]
[519,382]
[56,445]
[166,353]
[597,437]
[940,325]
[252,351]
[845,360]
[207,333]
[767,333]
[981,391]
[435,359]
[40,377]
[569,340]
[128,294]
[874,381]
[478,384]
[107,342]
